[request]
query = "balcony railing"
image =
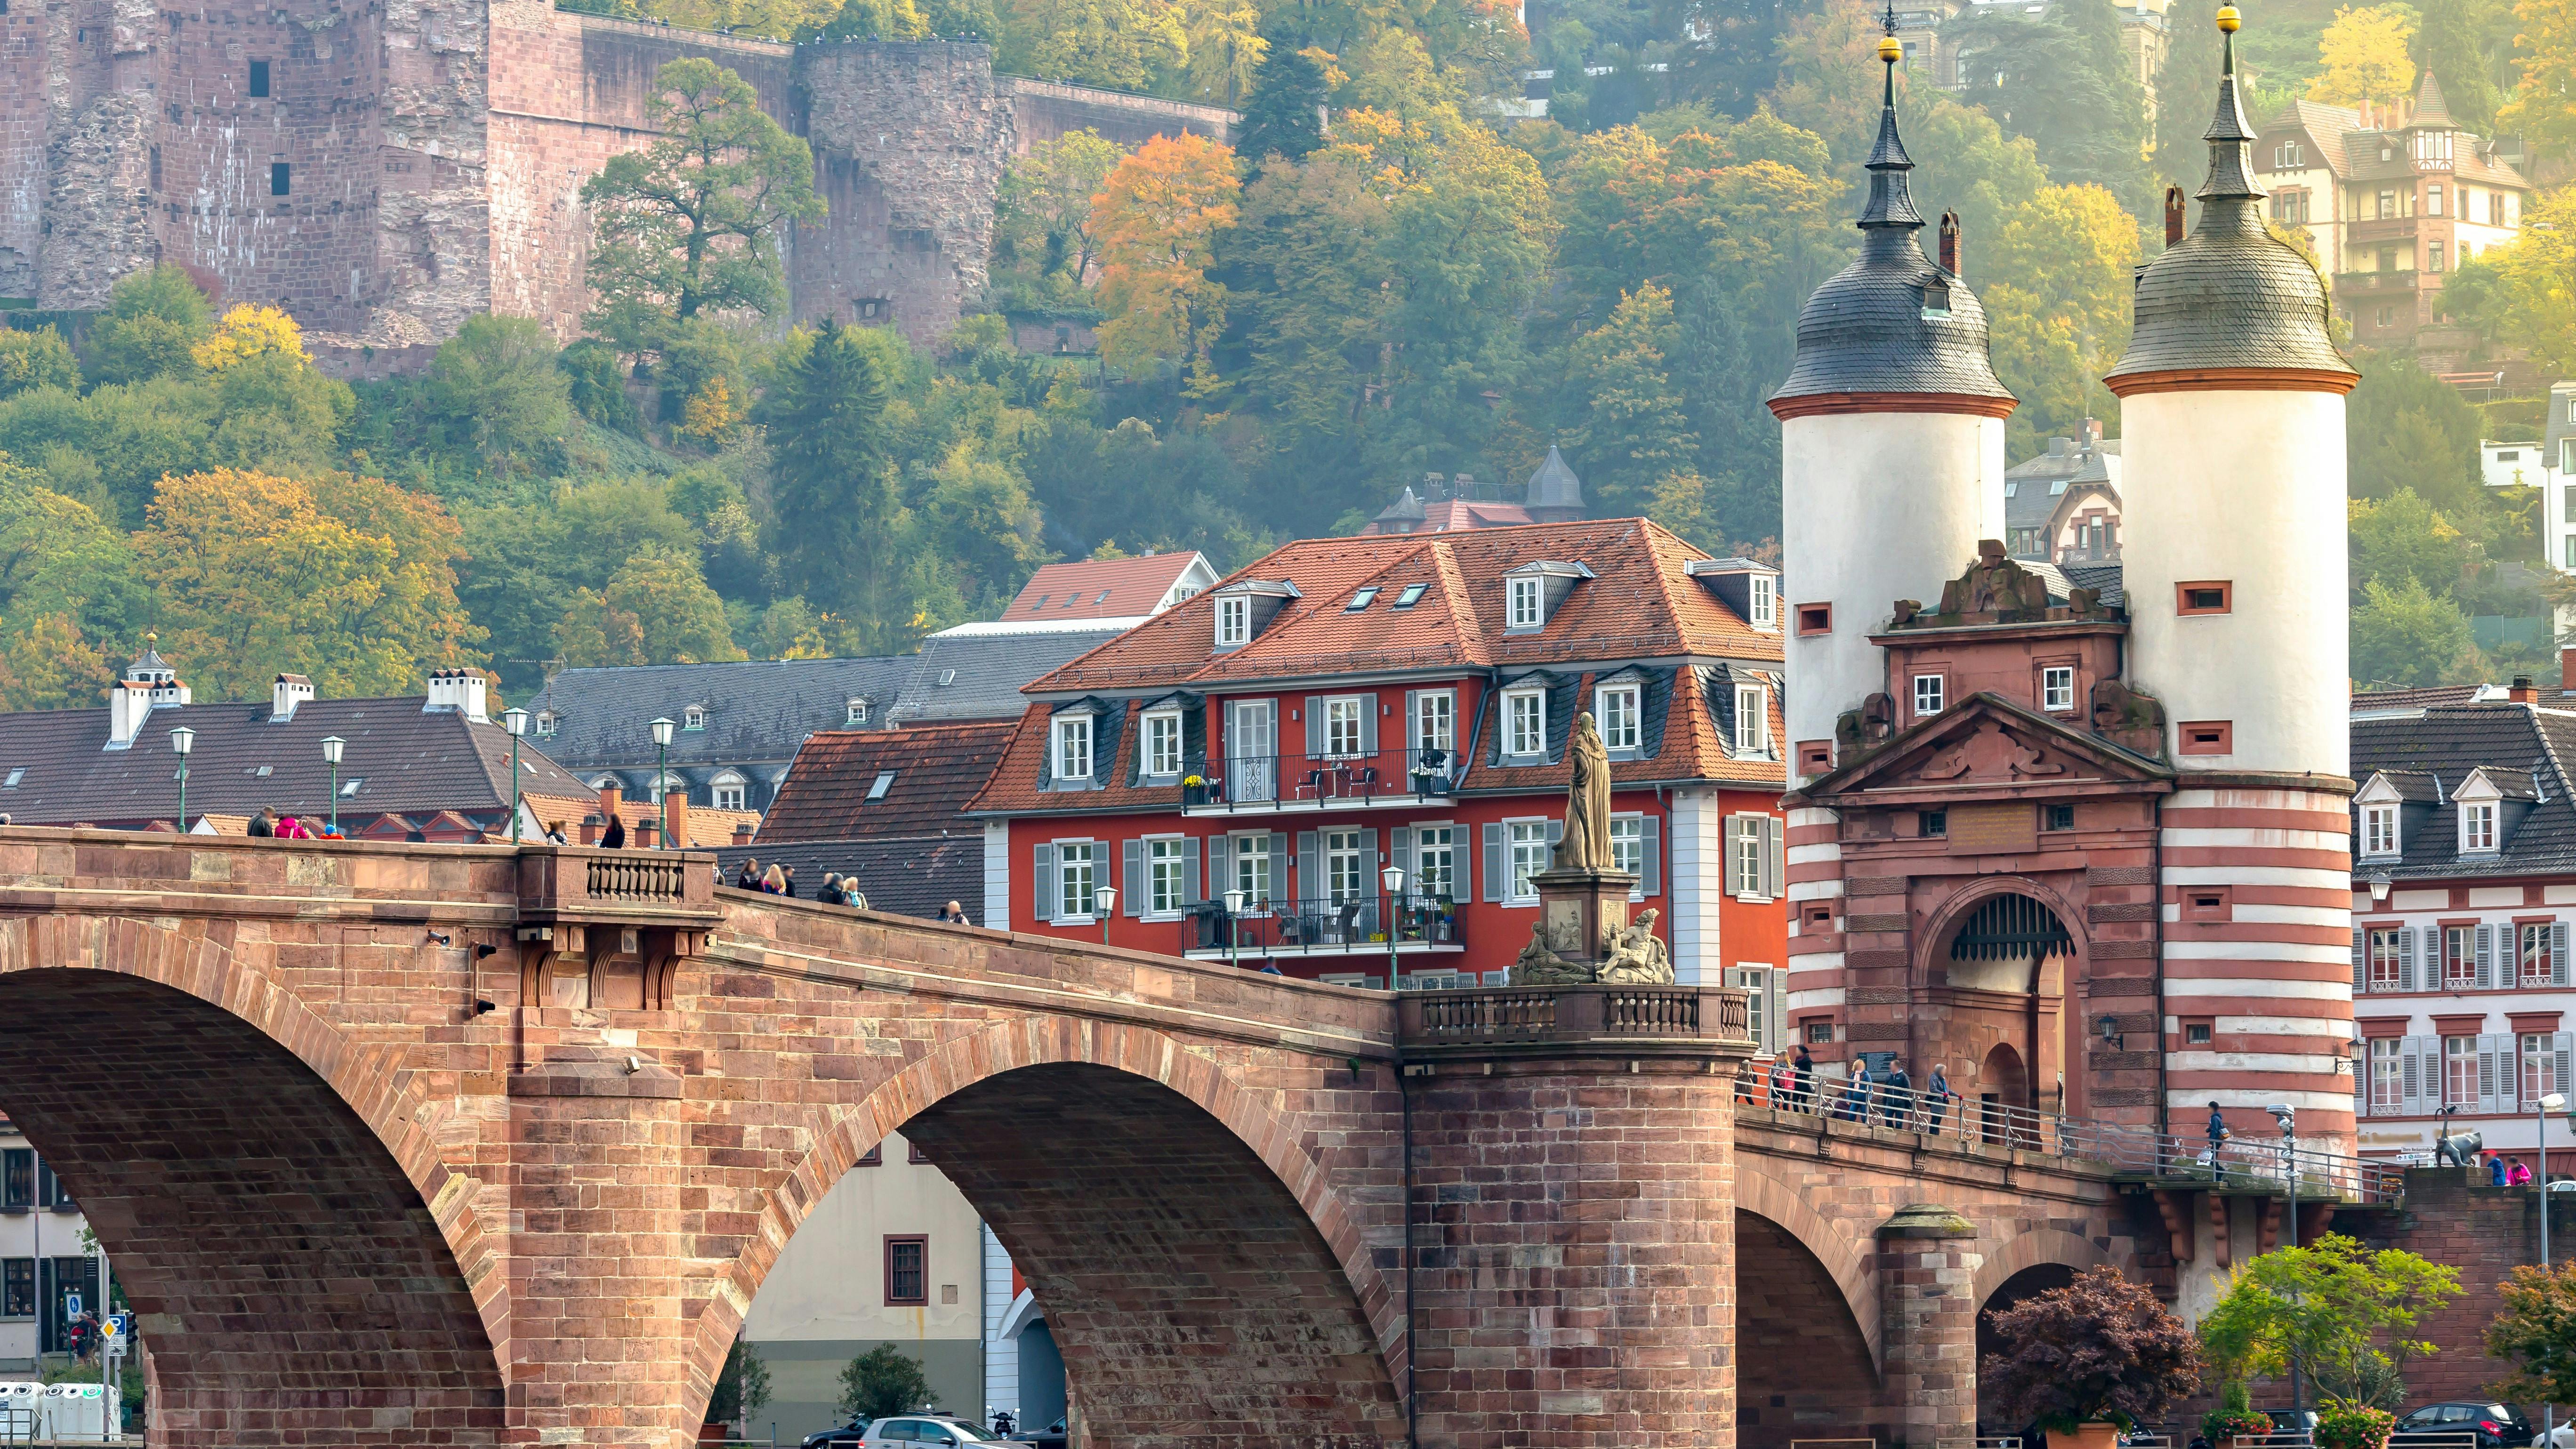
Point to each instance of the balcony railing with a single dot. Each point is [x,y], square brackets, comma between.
[1322,927]
[1592,1016]
[1315,782]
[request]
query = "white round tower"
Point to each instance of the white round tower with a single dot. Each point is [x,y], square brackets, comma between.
[1892,450]
[2234,571]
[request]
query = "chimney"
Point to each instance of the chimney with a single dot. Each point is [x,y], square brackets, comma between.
[2521,691]
[743,832]
[289,691]
[460,690]
[2174,213]
[2092,433]
[608,794]
[592,827]
[1950,242]
[676,804]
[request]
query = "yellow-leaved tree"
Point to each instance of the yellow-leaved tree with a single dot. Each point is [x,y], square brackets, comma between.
[2365,53]
[1157,218]
[2543,108]
[2062,319]
[247,332]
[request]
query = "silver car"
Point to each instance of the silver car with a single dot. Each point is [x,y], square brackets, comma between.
[928,1429]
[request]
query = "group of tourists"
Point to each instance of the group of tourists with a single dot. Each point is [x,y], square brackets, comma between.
[269,825]
[779,879]
[1864,1097]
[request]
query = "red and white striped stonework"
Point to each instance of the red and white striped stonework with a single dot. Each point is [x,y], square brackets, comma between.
[1815,878]
[2257,897]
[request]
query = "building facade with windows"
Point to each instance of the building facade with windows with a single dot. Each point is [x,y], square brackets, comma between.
[1348,706]
[2080,844]
[43,1262]
[2463,886]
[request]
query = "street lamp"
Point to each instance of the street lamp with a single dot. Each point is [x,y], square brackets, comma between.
[2551,1103]
[1393,879]
[182,740]
[332,748]
[662,774]
[517,720]
[1105,901]
[2288,1117]
[1233,937]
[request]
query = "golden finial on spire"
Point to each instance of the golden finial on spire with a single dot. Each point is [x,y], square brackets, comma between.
[1891,50]
[2228,19]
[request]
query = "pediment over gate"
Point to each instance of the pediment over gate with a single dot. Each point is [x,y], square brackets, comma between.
[1988,743]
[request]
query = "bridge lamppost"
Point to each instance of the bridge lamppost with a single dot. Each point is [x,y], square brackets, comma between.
[662,775]
[1233,937]
[332,748]
[1104,901]
[182,740]
[1393,879]
[2540,1120]
[2288,1117]
[517,720]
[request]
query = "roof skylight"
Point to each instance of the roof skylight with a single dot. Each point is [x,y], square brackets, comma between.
[1361,600]
[1411,596]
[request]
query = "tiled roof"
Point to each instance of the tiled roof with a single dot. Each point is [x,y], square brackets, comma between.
[1114,588]
[978,675]
[405,759]
[902,875]
[2376,701]
[935,770]
[2104,577]
[706,828]
[2437,747]
[1641,604]
[757,712]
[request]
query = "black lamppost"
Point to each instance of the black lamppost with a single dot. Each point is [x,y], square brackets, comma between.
[517,721]
[182,740]
[1393,879]
[332,746]
[662,775]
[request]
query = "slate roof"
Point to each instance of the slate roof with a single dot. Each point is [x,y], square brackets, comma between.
[2439,745]
[1866,329]
[2033,488]
[2103,576]
[409,761]
[757,712]
[2230,294]
[2394,701]
[976,674]
[1120,588]
[936,770]
[901,875]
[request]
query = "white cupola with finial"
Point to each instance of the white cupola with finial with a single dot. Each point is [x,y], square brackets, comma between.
[1891,443]
[147,684]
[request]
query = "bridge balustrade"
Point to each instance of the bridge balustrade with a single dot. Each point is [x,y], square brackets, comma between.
[1542,1016]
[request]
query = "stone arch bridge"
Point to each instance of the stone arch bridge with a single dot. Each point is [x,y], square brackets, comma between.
[429,1145]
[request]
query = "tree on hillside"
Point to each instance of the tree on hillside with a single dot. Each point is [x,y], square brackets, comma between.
[1120,44]
[2543,108]
[1632,429]
[692,222]
[494,390]
[2365,54]
[2058,310]
[1045,249]
[30,360]
[155,319]
[2402,538]
[2405,428]
[1158,216]
[2064,81]
[1225,46]
[2518,293]
[2450,42]
[656,609]
[1283,115]
[2186,92]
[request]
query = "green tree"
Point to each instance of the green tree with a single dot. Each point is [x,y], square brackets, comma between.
[2518,293]
[30,360]
[742,1386]
[884,1380]
[692,222]
[2536,1333]
[494,391]
[2405,428]
[979,513]
[2451,43]
[656,609]
[58,560]
[1634,429]
[521,564]
[595,385]
[2058,309]
[155,319]
[2335,1311]
[2406,636]
[2543,107]
[2401,538]
[1115,43]
[2186,90]
[1045,251]
[2065,81]
[1283,114]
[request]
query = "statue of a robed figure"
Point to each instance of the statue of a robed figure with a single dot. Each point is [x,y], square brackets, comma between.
[1583,935]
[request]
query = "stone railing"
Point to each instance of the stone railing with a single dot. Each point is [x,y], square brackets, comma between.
[616,884]
[1620,1017]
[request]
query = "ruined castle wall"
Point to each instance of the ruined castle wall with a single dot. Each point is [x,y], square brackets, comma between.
[1045,110]
[910,138]
[22,147]
[433,265]
[568,92]
[95,218]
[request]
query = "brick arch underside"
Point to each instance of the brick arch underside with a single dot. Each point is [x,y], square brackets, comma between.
[1807,1357]
[293,1285]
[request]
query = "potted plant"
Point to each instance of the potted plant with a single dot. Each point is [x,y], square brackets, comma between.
[1194,789]
[2343,1425]
[2090,1361]
[2234,1418]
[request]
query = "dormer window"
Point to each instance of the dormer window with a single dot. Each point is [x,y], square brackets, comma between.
[545,722]
[1233,622]
[858,712]
[2478,827]
[2379,830]
[1616,710]
[1162,743]
[1765,613]
[1525,723]
[1752,722]
[1072,747]
[693,718]
[1936,300]
[1521,607]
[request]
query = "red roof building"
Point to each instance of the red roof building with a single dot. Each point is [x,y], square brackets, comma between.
[1348,706]
[1093,589]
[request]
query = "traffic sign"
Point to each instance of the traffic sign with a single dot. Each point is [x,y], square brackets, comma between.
[71,1308]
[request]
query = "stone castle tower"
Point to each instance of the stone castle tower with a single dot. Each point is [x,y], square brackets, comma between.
[385,169]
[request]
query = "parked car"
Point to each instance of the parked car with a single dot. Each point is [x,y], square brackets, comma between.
[852,1433]
[1053,1436]
[936,1429]
[2497,1426]
[2293,1421]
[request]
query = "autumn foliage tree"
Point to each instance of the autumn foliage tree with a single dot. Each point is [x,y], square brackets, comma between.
[2366,57]
[2099,1349]
[2536,1333]
[1157,218]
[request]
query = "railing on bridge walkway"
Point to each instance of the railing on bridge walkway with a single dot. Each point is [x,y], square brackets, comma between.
[2241,1164]
[1539,1016]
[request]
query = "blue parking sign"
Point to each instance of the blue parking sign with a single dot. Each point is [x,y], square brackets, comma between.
[71,1308]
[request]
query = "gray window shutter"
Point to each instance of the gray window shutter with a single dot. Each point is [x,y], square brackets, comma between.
[2406,958]
[1192,892]
[1220,860]
[2413,1089]
[1281,888]
[2486,956]
[1650,850]
[2360,961]
[1369,706]
[2489,1048]
[1310,868]
[1775,1022]
[2558,954]
[1497,868]
[2562,1047]
[1413,719]
[1400,854]
[1314,726]
[1369,855]
[1771,856]
[1043,884]
[1131,877]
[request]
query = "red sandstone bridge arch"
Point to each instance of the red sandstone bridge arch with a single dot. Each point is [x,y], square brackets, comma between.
[1846,1260]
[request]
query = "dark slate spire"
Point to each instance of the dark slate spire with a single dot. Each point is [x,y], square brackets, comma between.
[2230,295]
[1891,322]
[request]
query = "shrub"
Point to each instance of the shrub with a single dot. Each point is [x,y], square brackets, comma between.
[2354,1426]
[884,1380]
[2099,1349]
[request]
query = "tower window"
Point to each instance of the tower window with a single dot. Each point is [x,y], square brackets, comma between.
[258,78]
[279,182]
[1936,300]
[2207,596]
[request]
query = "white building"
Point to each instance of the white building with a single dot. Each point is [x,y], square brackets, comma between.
[43,1260]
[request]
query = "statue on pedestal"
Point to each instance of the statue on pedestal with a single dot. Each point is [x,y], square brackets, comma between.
[1587,801]
[1583,936]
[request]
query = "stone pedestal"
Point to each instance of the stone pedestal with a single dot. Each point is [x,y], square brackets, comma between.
[1927,1269]
[1578,906]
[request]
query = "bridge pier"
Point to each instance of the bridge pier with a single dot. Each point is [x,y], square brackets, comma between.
[1572,1216]
[1927,1270]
